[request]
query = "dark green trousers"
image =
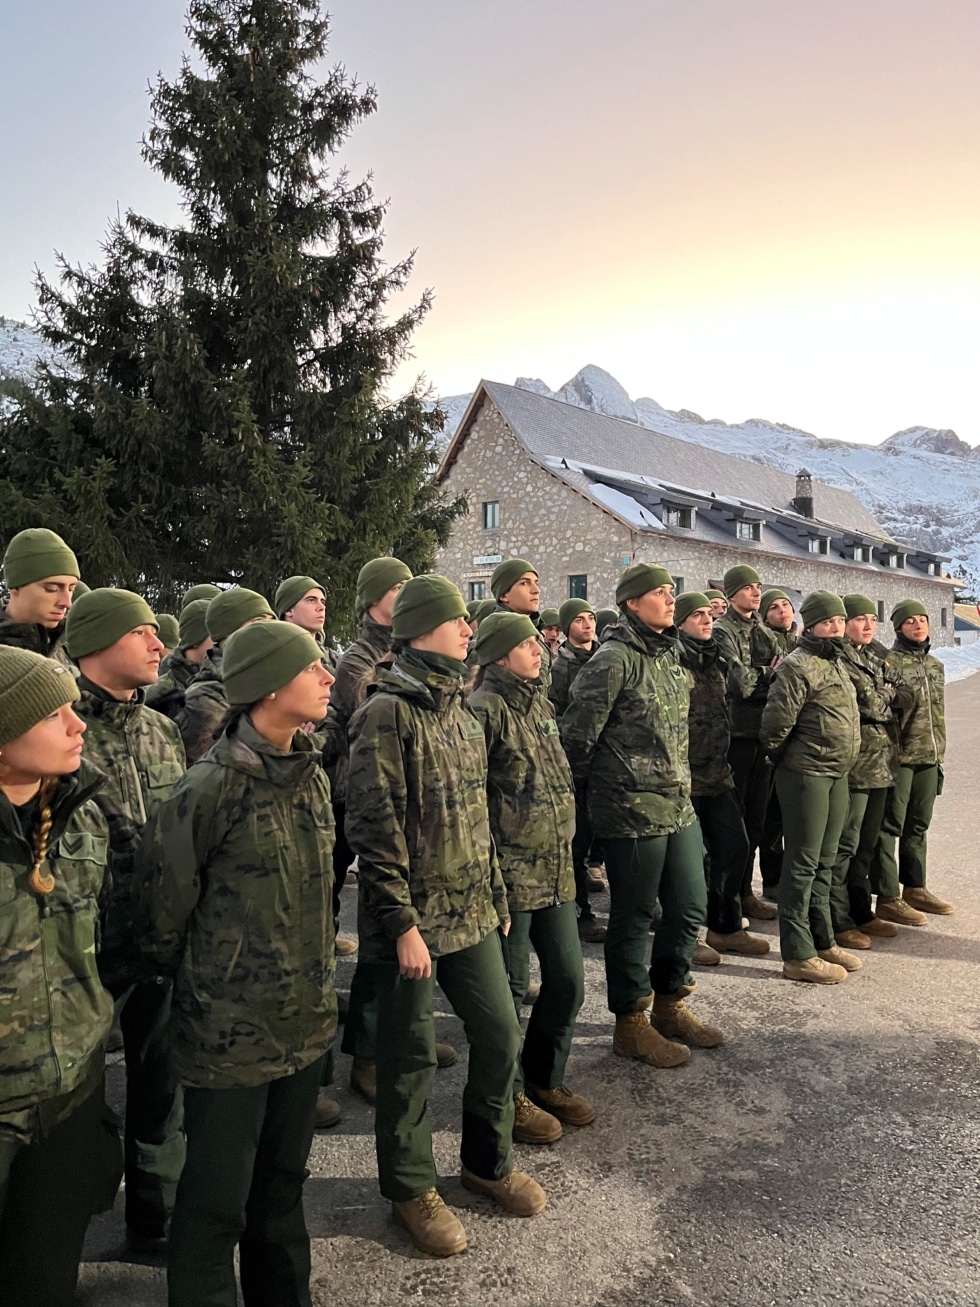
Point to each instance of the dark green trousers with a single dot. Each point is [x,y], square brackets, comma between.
[361,1026]
[247,1150]
[908,814]
[46,1193]
[670,867]
[814,810]
[553,933]
[850,889]
[726,847]
[474,980]
[753,784]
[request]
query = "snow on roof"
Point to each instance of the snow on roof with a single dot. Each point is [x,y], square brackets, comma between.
[626,507]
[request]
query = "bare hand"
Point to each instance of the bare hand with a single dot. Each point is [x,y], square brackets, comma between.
[414,962]
[776,661]
[506,928]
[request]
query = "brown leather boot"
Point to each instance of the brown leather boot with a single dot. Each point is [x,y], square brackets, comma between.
[635,1037]
[901,913]
[327,1111]
[675,1020]
[532,1126]
[852,939]
[878,929]
[923,900]
[814,970]
[344,947]
[517,1193]
[432,1226]
[739,941]
[445,1056]
[838,957]
[364,1079]
[531,997]
[753,907]
[561,1103]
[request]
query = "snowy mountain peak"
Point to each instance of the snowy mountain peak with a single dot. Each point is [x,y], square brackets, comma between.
[929,440]
[594,389]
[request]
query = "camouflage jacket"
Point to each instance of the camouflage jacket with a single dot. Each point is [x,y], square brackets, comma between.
[54,1013]
[417,815]
[355,672]
[530,790]
[810,722]
[205,708]
[625,734]
[924,726]
[142,758]
[748,647]
[567,664]
[786,641]
[877,764]
[36,638]
[236,878]
[708,728]
[176,673]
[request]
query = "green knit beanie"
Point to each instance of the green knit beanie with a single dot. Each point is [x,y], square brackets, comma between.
[549,618]
[376,578]
[194,623]
[906,608]
[102,617]
[203,591]
[36,554]
[568,612]
[507,573]
[424,603]
[639,579]
[818,606]
[605,617]
[31,688]
[500,633]
[80,589]
[471,608]
[687,603]
[716,594]
[859,606]
[292,591]
[231,609]
[769,597]
[168,629]
[262,658]
[483,609]
[738,577]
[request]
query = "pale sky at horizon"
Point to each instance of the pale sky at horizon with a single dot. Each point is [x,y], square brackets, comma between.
[750,208]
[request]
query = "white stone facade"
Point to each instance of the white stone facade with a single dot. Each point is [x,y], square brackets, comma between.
[564,534]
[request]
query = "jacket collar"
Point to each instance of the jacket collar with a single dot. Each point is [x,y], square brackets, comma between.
[374,634]
[433,689]
[516,692]
[100,703]
[630,630]
[243,749]
[70,793]
[918,648]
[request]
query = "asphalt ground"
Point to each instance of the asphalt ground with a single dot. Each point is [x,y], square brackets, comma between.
[829,1153]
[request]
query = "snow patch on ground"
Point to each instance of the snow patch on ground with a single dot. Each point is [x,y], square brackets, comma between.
[959,661]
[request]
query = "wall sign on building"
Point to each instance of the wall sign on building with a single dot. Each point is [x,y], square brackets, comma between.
[487,560]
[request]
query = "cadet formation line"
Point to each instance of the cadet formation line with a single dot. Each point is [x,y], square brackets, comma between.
[174,836]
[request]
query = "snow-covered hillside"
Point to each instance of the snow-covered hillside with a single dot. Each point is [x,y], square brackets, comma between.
[922,485]
[20,350]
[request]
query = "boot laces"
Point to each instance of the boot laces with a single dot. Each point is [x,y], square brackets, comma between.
[430,1202]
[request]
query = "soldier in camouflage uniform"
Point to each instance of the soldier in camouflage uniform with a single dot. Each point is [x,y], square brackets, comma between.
[177,670]
[578,621]
[908,812]
[779,617]
[603,618]
[625,734]
[41,574]
[112,636]
[203,590]
[236,886]
[54,1013]
[205,706]
[712,788]
[751,651]
[811,731]
[514,585]
[303,601]
[432,899]
[717,603]
[378,584]
[532,820]
[869,780]
[550,630]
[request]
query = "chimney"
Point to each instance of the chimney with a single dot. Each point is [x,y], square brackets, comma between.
[803,503]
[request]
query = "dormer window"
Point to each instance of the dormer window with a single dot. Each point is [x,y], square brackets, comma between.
[932,569]
[682,517]
[895,561]
[748,530]
[819,545]
[862,553]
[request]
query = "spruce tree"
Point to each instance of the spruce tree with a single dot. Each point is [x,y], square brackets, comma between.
[221,413]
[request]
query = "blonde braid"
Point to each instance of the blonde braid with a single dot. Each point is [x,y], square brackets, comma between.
[43,882]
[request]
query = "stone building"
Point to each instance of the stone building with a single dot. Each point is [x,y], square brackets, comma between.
[582,496]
